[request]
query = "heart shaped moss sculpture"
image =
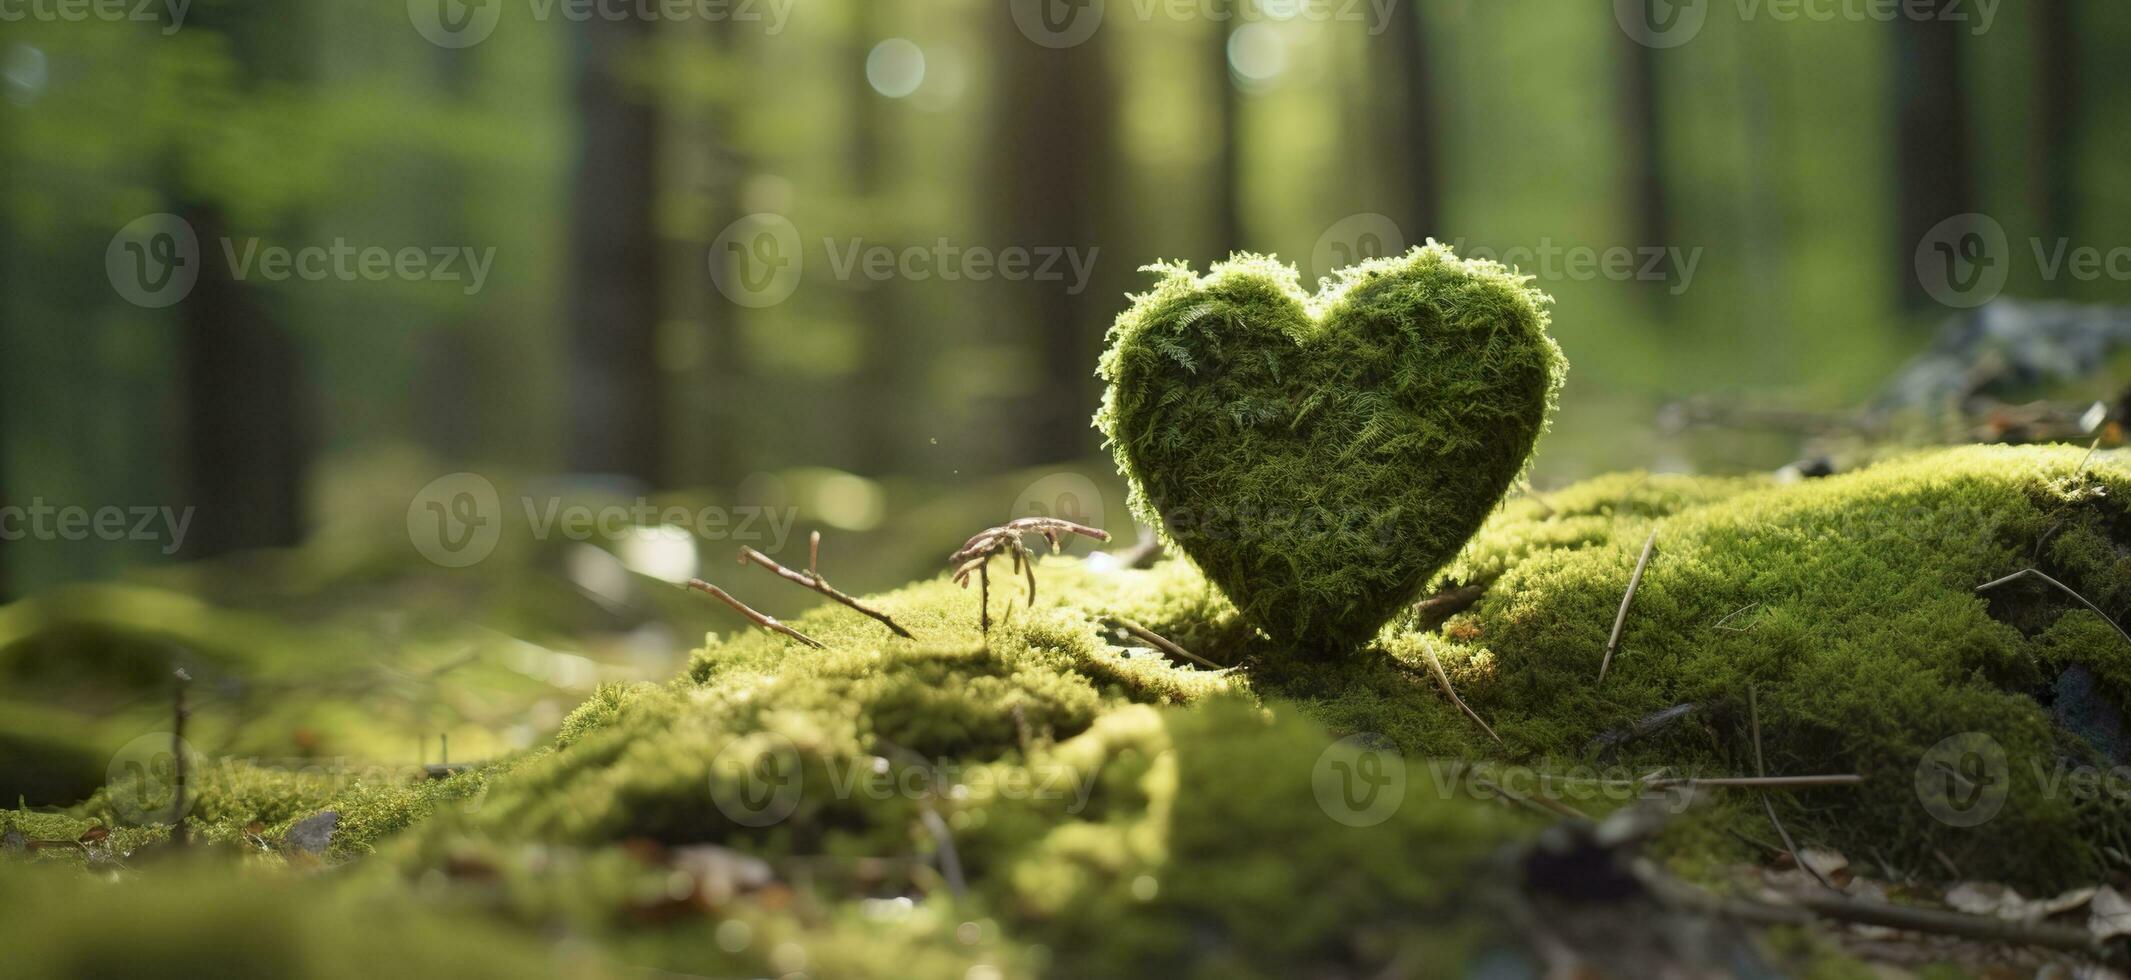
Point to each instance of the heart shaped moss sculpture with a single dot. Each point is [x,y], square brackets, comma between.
[1320,457]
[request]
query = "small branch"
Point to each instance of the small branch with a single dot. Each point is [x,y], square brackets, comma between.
[1432,611]
[2036,572]
[976,554]
[1539,802]
[1753,714]
[763,620]
[177,752]
[1760,782]
[950,860]
[812,579]
[1162,643]
[1442,677]
[1620,621]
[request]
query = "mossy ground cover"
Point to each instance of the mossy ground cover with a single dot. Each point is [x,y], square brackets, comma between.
[1053,798]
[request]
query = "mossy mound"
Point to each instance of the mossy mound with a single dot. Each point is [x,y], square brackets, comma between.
[1055,799]
[1321,456]
[1850,607]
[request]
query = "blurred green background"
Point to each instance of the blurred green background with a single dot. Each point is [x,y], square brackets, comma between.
[847,265]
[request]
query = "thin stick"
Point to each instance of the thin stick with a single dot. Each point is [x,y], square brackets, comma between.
[2088,458]
[1539,802]
[1442,677]
[1760,782]
[812,579]
[763,620]
[950,860]
[1753,712]
[2067,591]
[178,835]
[1797,909]
[1162,643]
[1433,610]
[1620,621]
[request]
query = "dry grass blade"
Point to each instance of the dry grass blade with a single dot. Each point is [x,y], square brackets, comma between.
[1162,643]
[812,579]
[1442,678]
[2066,589]
[1539,802]
[763,620]
[1620,620]
[1753,714]
[1759,782]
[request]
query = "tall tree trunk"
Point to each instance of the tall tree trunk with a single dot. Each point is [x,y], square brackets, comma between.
[877,410]
[246,407]
[2052,183]
[1643,135]
[1410,130]
[244,392]
[1934,174]
[1052,131]
[617,394]
[1225,186]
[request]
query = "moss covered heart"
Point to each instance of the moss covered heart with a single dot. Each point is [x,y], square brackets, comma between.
[1320,457]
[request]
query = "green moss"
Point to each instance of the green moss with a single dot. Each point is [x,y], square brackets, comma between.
[1320,457]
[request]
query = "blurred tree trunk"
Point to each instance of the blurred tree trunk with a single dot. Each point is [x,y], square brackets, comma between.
[1409,130]
[2055,116]
[1225,189]
[1643,141]
[877,410]
[244,392]
[246,404]
[617,391]
[1053,154]
[1934,175]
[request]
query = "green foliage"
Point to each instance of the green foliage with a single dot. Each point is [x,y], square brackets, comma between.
[1320,457]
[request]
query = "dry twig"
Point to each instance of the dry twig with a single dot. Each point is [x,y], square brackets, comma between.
[1620,621]
[1162,643]
[811,578]
[763,620]
[976,554]
[1753,714]
[1442,678]
[2036,572]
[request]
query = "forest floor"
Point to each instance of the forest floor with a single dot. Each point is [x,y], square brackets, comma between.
[1646,725]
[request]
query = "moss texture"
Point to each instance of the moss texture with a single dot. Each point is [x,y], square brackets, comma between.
[1321,456]
[1058,803]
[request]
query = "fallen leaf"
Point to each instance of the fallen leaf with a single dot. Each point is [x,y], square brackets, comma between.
[2109,914]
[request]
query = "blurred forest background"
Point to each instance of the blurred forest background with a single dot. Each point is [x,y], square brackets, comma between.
[1795,163]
